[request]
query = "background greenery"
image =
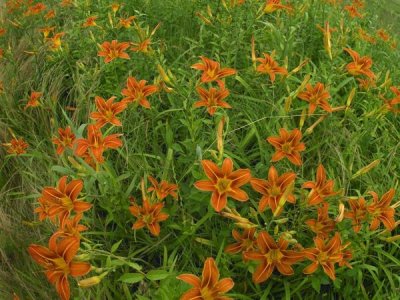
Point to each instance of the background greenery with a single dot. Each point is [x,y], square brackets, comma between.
[169,140]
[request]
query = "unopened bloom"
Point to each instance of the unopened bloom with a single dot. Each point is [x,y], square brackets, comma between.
[288,145]
[209,286]
[223,183]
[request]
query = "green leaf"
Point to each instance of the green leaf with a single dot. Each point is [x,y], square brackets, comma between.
[115,246]
[157,275]
[131,277]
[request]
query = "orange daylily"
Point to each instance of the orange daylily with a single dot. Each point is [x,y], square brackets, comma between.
[71,228]
[126,22]
[33,100]
[212,70]
[212,99]
[107,111]
[90,22]
[46,30]
[115,6]
[244,242]
[383,35]
[209,286]
[1,53]
[353,11]
[392,103]
[65,139]
[58,261]
[2,31]
[96,144]
[223,183]
[16,146]
[323,225]
[288,145]
[35,9]
[43,210]
[66,3]
[360,65]
[320,189]
[138,91]
[358,213]
[162,189]
[272,255]
[274,5]
[113,50]
[63,199]
[55,41]
[142,46]
[149,215]
[366,84]
[269,66]
[381,211]
[51,14]
[273,189]
[325,254]
[316,96]
[365,36]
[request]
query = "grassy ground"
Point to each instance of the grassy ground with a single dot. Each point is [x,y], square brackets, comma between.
[169,140]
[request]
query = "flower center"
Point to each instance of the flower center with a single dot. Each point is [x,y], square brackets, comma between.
[67,202]
[275,191]
[109,114]
[274,255]
[60,265]
[322,257]
[207,294]
[223,185]
[287,148]
[148,219]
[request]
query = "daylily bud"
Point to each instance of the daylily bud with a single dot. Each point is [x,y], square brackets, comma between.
[88,282]
[340,216]
[366,169]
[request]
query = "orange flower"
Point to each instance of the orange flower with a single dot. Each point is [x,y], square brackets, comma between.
[163,189]
[223,183]
[325,254]
[383,35]
[115,6]
[360,65]
[96,144]
[212,70]
[358,213]
[71,228]
[381,211]
[46,30]
[43,210]
[142,46]
[288,145]
[149,215]
[244,242]
[107,111]
[138,91]
[90,22]
[16,146]
[273,5]
[1,53]
[353,12]
[365,36]
[55,41]
[126,22]
[58,261]
[208,286]
[35,9]
[366,84]
[273,189]
[33,100]
[50,14]
[316,96]
[2,31]
[113,50]
[391,104]
[272,255]
[212,99]
[323,225]
[66,3]
[65,139]
[62,200]
[269,66]
[320,189]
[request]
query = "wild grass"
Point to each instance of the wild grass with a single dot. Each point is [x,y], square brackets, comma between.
[169,140]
